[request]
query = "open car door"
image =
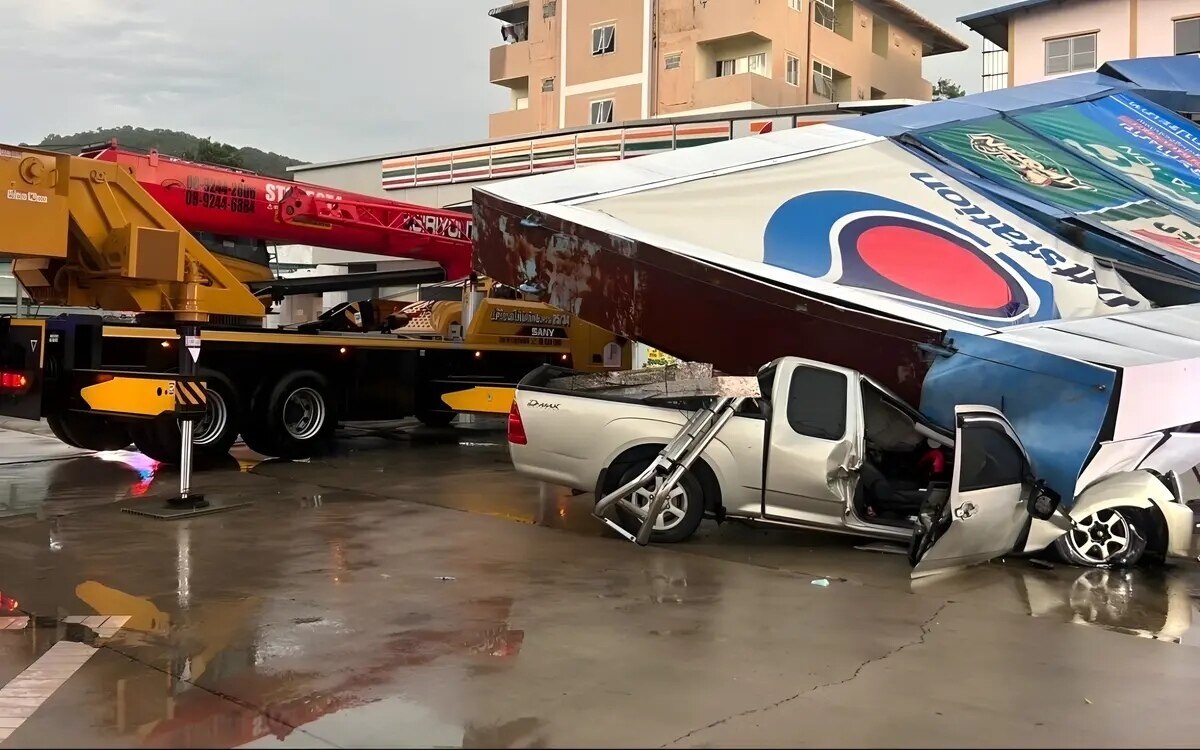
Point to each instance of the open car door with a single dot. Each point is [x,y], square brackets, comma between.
[985,510]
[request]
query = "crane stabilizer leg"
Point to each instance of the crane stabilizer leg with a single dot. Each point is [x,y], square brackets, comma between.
[189,353]
[676,458]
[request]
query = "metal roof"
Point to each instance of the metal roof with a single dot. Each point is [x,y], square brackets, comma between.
[935,39]
[864,106]
[511,13]
[992,24]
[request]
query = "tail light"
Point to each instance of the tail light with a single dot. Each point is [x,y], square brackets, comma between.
[13,381]
[516,428]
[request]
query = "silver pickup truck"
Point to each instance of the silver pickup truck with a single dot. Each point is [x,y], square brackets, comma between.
[825,447]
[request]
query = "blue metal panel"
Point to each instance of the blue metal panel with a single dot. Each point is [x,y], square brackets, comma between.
[1180,73]
[1057,406]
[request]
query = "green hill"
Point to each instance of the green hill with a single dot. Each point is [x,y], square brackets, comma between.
[177,143]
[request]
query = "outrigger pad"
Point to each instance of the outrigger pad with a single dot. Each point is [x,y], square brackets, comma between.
[176,513]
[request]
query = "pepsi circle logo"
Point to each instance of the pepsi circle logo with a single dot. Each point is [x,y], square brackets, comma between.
[876,244]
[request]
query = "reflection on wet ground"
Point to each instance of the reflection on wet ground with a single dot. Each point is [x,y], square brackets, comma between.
[346,606]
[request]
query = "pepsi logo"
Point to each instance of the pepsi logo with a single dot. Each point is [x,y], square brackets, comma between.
[880,245]
[922,262]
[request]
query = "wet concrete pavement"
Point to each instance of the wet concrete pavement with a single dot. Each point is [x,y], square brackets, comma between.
[413,591]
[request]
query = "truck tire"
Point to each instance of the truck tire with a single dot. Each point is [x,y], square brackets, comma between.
[681,516]
[431,418]
[91,432]
[291,417]
[212,435]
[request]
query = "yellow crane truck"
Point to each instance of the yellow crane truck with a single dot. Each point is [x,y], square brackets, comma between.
[86,233]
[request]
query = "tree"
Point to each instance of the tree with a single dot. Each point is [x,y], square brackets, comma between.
[210,152]
[947,89]
[177,143]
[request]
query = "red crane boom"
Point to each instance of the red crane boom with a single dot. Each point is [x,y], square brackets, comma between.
[241,204]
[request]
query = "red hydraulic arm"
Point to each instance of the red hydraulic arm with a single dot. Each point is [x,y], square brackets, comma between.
[241,204]
[399,229]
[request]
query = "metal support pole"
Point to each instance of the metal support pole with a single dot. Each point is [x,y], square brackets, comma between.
[724,411]
[189,353]
[677,458]
[665,458]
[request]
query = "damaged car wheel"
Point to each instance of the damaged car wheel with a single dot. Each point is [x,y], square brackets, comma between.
[680,516]
[1113,537]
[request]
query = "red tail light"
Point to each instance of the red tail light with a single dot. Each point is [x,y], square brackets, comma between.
[13,380]
[516,428]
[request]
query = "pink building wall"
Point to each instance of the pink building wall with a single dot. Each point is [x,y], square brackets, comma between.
[1030,30]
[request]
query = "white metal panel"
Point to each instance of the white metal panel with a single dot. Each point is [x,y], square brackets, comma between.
[1117,456]
[1081,348]
[1158,396]
[1182,321]
[1180,453]
[1121,330]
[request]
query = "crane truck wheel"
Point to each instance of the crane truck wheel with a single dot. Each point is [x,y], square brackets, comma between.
[431,417]
[92,432]
[291,417]
[212,435]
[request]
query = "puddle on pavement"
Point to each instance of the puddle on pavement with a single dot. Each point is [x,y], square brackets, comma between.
[1155,603]
[246,672]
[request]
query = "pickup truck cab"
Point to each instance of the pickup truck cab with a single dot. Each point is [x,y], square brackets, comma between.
[828,448]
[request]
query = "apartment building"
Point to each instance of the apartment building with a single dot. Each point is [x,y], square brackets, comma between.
[1039,39]
[571,63]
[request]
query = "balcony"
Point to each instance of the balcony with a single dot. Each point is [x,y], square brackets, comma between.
[511,122]
[734,18]
[509,62]
[746,87]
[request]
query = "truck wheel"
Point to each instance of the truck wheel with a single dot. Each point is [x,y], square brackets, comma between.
[91,432]
[212,435]
[292,417]
[1113,537]
[435,418]
[679,518]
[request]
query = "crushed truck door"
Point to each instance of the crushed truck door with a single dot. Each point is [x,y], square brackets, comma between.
[986,508]
[813,441]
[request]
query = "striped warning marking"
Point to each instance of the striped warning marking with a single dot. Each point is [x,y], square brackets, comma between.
[188,393]
[30,689]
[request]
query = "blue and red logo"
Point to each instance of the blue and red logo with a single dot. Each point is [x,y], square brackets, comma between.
[880,245]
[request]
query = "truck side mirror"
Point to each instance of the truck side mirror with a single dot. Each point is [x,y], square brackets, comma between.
[1043,501]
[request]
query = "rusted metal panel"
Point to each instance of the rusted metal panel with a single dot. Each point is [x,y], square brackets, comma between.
[687,308]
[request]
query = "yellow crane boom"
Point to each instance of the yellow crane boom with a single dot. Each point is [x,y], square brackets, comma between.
[84,233]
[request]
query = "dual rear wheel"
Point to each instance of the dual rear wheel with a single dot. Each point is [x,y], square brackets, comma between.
[288,417]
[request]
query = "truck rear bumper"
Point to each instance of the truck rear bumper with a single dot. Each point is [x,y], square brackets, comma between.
[22,353]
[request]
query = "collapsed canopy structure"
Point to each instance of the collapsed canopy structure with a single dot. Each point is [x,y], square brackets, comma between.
[952,251]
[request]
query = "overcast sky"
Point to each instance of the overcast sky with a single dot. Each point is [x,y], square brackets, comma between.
[314,79]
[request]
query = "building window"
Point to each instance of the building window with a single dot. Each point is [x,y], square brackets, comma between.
[738,65]
[877,94]
[549,8]
[793,70]
[795,4]
[517,32]
[881,32]
[822,80]
[1071,54]
[547,84]
[671,61]
[1187,36]
[604,40]
[602,111]
[825,12]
